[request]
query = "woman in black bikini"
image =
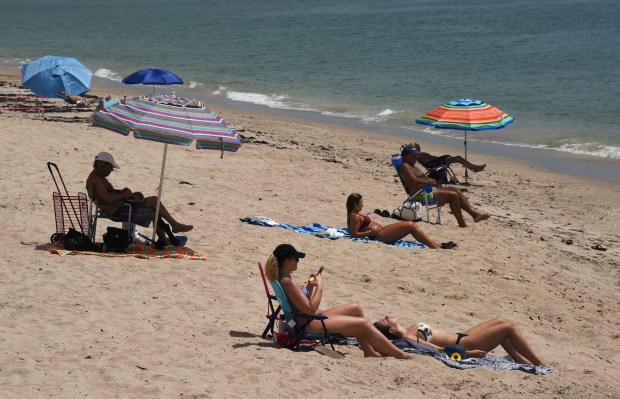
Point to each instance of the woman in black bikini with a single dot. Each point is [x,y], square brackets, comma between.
[347,319]
[360,226]
[477,341]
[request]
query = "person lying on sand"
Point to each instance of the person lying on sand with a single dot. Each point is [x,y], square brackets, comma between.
[112,201]
[477,341]
[361,226]
[430,161]
[79,101]
[347,319]
[414,180]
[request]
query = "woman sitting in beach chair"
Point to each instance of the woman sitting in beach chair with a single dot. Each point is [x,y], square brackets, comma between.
[347,319]
[477,341]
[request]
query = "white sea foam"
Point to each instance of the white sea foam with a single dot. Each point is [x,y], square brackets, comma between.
[219,91]
[193,85]
[107,74]
[386,112]
[591,149]
[603,151]
[272,101]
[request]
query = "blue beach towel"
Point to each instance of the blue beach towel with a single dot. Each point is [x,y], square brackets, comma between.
[320,230]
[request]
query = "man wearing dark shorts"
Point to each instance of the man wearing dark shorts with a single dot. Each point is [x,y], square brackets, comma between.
[112,202]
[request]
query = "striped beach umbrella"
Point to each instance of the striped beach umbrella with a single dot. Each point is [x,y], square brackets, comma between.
[169,120]
[467,115]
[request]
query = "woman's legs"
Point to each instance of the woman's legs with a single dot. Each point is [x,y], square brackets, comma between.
[369,338]
[490,334]
[398,230]
[163,213]
[346,309]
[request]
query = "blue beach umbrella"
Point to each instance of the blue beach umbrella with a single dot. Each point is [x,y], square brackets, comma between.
[50,74]
[152,76]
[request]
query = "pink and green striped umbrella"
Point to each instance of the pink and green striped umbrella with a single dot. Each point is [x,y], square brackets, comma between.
[169,120]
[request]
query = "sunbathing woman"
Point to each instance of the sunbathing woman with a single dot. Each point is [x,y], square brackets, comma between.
[477,341]
[347,319]
[361,226]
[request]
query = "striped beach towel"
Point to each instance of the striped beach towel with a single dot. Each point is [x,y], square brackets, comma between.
[140,251]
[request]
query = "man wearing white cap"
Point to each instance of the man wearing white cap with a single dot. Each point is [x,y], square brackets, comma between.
[112,202]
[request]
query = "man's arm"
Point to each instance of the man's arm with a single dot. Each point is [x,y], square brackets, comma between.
[106,193]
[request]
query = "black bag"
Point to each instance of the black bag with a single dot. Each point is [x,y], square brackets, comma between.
[116,240]
[77,241]
[439,174]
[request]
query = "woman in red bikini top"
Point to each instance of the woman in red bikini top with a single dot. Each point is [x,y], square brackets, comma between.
[361,226]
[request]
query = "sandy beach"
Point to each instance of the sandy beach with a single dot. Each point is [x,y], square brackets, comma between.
[78,326]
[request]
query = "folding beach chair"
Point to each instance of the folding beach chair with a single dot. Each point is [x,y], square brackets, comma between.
[94,214]
[293,328]
[273,313]
[426,191]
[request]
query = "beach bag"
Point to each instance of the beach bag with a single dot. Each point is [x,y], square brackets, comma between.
[77,241]
[408,211]
[116,240]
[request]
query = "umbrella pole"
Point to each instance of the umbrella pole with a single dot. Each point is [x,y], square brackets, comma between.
[161,183]
[465,144]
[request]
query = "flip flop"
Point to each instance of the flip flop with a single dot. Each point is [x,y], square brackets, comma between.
[448,245]
[385,213]
[599,247]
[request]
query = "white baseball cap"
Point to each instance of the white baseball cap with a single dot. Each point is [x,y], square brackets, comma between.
[107,157]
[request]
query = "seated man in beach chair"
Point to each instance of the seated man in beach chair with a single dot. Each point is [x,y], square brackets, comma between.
[430,161]
[112,201]
[414,179]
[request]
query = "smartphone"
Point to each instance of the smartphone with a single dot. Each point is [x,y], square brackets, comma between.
[320,270]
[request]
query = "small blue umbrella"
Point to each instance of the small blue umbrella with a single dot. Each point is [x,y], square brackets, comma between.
[50,74]
[152,76]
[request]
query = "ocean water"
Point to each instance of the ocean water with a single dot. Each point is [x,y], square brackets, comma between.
[551,64]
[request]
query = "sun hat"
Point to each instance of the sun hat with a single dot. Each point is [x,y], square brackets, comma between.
[455,352]
[106,157]
[286,251]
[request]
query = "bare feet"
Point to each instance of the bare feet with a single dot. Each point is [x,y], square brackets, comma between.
[481,216]
[372,354]
[182,228]
[479,168]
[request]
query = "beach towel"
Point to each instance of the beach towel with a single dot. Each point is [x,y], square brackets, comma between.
[322,231]
[491,362]
[140,251]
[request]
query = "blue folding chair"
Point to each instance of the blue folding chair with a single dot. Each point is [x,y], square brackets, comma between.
[293,328]
[426,190]
[273,313]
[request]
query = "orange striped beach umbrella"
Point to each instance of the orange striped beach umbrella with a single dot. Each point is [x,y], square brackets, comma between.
[466,114]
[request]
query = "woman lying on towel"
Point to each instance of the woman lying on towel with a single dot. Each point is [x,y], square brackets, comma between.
[361,226]
[347,319]
[477,341]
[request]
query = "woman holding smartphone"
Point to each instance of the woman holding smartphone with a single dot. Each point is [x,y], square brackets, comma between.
[347,319]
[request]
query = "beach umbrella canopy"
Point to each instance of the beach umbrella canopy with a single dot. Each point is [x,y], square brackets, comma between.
[170,120]
[466,114]
[50,74]
[153,76]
